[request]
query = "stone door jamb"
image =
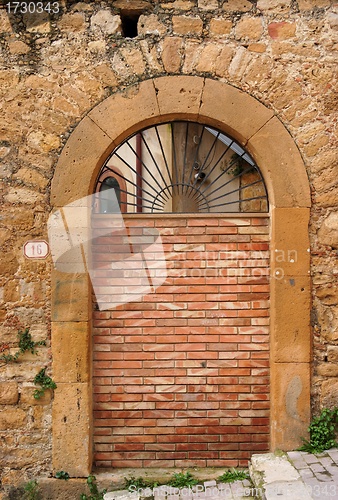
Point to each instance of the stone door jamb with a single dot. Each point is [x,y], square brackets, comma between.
[257,129]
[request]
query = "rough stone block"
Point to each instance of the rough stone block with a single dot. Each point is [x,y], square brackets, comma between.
[290,320]
[171,54]
[290,245]
[86,146]
[71,297]
[71,351]
[27,396]
[274,150]
[179,95]
[234,108]
[13,418]
[290,404]
[72,413]
[9,393]
[328,232]
[187,25]
[123,114]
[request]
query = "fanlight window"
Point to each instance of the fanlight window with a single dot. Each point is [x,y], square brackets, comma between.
[181,167]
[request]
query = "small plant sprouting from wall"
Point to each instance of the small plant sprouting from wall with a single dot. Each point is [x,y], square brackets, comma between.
[61,474]
[322,432]
[31,490]
[45,381]
[95,494]
[27,344]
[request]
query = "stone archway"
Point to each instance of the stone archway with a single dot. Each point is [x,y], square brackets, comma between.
[256,128]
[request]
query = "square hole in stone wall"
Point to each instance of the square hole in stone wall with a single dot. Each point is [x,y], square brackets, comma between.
[129,24]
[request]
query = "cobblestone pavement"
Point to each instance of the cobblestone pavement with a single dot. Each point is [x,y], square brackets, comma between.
[318,472]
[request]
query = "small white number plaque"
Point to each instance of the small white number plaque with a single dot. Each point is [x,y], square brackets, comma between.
[36,249]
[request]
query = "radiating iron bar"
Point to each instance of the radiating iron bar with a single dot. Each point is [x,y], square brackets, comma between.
[201,191]
[235,191]
[136,173]
[174,156]
[147,169]
[155,163]
[222,173]
[206,158]
[132,183]
[195,157]
[240,201]
[178,184]
[164,156]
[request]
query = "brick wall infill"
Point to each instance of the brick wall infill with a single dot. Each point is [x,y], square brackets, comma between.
[181,377]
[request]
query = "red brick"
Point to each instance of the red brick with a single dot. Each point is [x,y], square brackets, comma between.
[204,363]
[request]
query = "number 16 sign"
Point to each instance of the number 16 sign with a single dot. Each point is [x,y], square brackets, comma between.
[36,249]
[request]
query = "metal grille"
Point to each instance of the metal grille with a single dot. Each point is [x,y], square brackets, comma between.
[181,167]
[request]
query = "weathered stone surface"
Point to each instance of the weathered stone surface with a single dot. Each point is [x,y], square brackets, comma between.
[5,25]
[134,60]
[273,5]
[207,4]
[220,26]
[329,394]
[9,393]
[150,25]
[328,294]
[13,418]
[249,28]
[328,232]
[27,396]
[71,364]
[237,6]
[18,47]
[72,22]
[37,22]
[311,4]
[332,353]
[327,370]
[291,396]
[178,5]
[282,31]
[171,54]
[105,22]
[75,414]
[187,25]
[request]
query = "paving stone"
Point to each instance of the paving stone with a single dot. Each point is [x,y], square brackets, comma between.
[333,454]
[208,484]
[326,461]
[294,455]
[317,467]
[299,463]
[311,459]
[290,490]
[324,477]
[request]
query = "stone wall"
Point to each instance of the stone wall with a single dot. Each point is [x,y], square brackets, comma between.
[55,67]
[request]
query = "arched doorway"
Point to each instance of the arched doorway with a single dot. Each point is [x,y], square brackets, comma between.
[254,127]
[181,369]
